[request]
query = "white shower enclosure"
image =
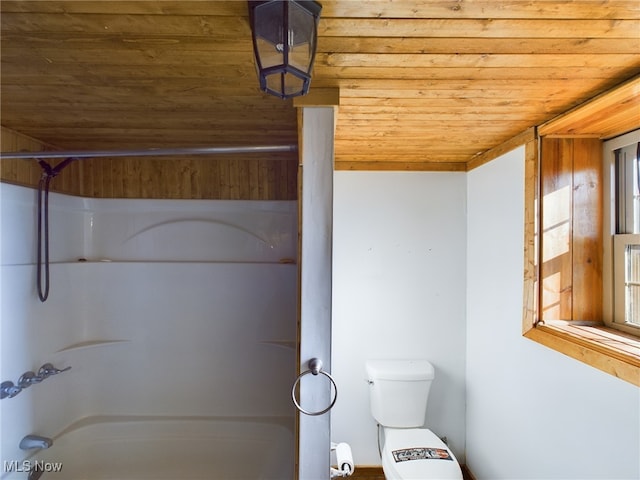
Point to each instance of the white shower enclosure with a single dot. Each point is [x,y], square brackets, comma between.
[163,309]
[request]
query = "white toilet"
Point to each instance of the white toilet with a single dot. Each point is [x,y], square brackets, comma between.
[399,390]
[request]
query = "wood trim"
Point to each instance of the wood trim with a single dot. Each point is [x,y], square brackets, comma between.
[400,166]
[530,294]
[611,360]
[525,137]
[613,356]
[609,114]
[319,97]
[466,473]
[367,473]
[608,350]
[624,346]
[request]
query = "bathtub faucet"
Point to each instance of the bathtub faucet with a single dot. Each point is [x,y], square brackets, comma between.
[35,473]
[31,442]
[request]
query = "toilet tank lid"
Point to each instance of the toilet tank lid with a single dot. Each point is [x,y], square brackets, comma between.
[400,370]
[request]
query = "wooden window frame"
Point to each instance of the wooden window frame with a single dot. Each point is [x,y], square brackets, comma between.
[609,350]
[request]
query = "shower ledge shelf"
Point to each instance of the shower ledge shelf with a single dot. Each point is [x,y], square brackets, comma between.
[280,343]
[91,344]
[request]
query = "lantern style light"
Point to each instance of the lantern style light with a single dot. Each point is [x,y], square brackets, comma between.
[284,35]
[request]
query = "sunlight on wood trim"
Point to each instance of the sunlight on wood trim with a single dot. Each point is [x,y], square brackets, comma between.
[530,293]
[525,137]
[615,358]
[617,363]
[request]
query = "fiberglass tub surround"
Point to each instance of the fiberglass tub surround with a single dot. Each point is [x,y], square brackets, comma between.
[164,310]
[166,447]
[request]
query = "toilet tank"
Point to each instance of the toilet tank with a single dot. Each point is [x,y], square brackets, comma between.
[398,391]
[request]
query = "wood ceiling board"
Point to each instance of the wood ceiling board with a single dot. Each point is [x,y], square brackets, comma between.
[453,78]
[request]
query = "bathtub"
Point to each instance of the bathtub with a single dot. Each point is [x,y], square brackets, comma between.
[166,448]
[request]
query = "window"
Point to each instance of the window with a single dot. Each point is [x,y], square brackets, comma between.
[582,334]
[626,280]
[621,156]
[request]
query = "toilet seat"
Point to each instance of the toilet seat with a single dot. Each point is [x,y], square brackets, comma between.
[413,454]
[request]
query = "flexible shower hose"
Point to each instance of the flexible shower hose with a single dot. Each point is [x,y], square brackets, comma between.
[43,186]
[43,211]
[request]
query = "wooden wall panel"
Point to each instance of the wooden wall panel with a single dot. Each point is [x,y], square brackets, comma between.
[571,218]
[556,220]
[224,177]
[587,229]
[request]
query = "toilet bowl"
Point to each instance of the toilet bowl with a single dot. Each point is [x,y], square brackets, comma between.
[399,391]
[417,454]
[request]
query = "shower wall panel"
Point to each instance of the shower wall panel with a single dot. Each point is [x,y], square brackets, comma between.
[168,308]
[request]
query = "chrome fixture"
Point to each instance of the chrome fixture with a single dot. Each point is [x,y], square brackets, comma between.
[315,368]
[10,390]
[285,34]
[35,473]
[47,370]
[29,378]
[32,442]
[149,152]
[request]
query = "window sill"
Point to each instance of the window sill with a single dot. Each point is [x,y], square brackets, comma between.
[609,350]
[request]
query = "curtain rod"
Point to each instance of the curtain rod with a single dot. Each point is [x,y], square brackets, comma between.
[149,152]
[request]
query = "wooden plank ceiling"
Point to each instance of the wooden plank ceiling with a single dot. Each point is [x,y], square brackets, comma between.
[424,85]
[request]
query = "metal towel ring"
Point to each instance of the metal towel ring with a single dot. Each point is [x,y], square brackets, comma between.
[315,367]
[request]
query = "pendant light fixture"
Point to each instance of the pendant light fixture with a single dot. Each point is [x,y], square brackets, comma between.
[284,35]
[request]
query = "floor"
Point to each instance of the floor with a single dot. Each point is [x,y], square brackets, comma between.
[368,473]
[375,473]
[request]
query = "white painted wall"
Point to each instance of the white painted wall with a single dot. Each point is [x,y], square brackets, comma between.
[532,413]
[400,269]
[398,292]
[204,325]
